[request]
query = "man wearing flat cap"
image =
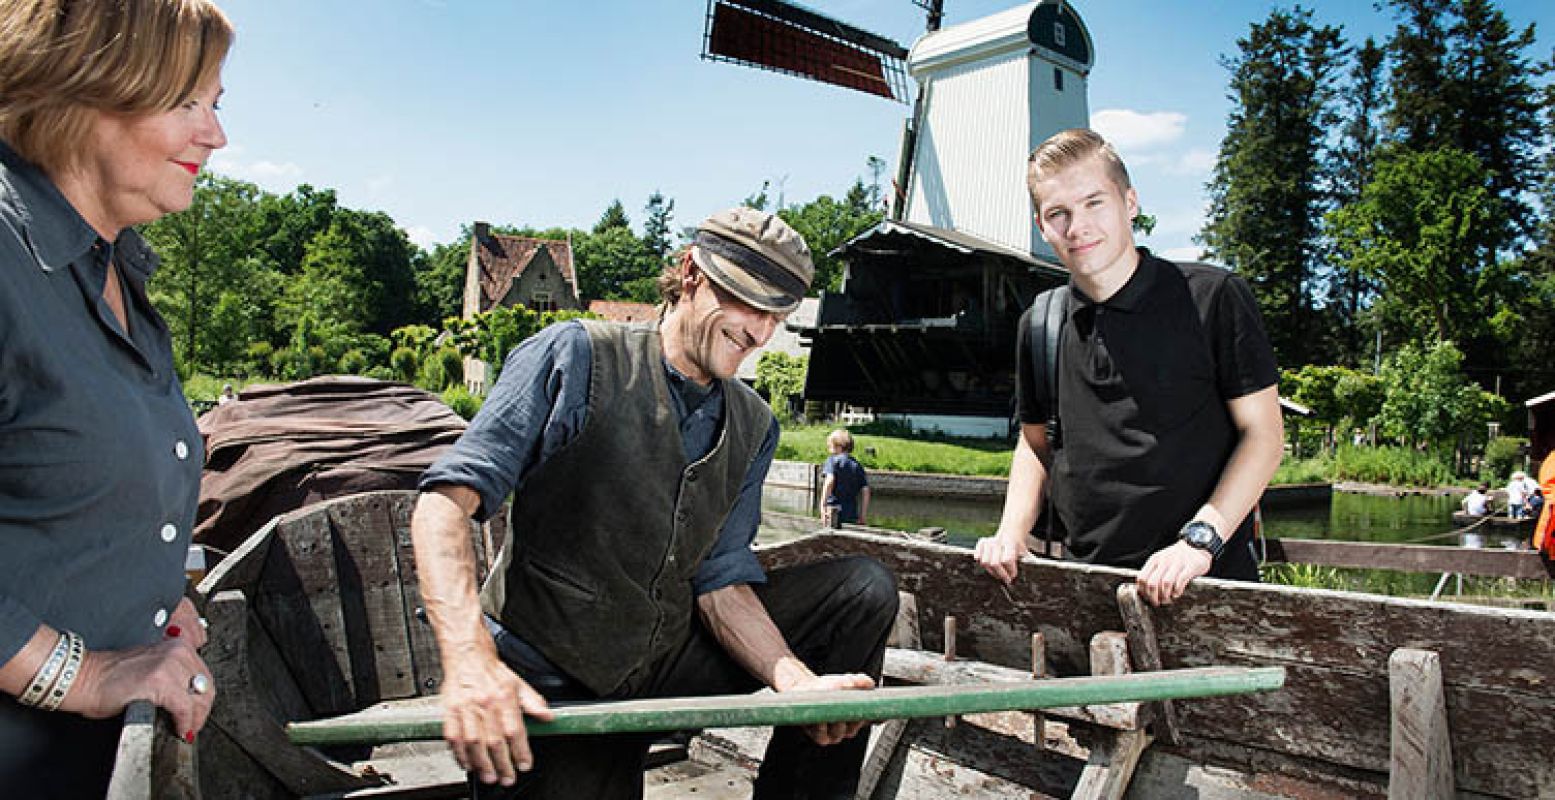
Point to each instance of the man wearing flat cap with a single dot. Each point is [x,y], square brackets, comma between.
[635,460]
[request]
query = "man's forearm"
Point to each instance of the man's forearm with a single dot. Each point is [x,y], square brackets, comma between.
[1028,481]
[1260,446]
[445,560]
[738,620]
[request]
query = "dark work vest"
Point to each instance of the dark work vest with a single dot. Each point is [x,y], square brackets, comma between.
[608,532]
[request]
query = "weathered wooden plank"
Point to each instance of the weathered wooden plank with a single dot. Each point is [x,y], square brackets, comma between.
[1145,650]
[371,600]
[1111,764]
[1493,562]
[1421,766]
[231,772]
[245,717]
[886,736]
[297,599]
[425,661]
[388,722]
[131,778]
[1334,709]
[928,669]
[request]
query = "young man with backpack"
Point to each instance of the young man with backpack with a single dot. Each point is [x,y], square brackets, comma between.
[1154,426]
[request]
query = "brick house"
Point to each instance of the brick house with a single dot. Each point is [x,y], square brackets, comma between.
[508,270]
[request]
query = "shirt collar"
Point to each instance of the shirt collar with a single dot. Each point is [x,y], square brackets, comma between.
[1133,293]
[53,230]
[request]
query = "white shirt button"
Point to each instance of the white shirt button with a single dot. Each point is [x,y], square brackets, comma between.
[169,532]
[161,618]
[181,449]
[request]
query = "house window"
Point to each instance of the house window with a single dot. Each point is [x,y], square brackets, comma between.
[541,301]
[1058,79]
[1058,34]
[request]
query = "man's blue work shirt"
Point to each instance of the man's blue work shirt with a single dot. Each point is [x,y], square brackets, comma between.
[540,403]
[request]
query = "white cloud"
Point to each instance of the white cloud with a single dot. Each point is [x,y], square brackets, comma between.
[1198,161]
[276,176]
[1181,253]
[422,236]
[1132,130]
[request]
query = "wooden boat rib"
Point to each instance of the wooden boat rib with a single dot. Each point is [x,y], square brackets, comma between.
[316,616]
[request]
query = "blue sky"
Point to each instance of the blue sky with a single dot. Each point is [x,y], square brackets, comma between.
[538,112]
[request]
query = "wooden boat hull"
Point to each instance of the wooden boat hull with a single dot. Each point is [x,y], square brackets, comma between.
[1327,733]
[316,616]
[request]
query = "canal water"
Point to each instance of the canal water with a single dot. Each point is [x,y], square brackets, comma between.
[1422,519]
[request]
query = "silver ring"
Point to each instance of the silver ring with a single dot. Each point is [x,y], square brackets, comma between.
[199,684]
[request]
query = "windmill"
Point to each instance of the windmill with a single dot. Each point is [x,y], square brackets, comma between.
[780,36]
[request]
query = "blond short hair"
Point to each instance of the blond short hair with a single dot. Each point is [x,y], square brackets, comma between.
[1067,148]
[840,439]
[63,60]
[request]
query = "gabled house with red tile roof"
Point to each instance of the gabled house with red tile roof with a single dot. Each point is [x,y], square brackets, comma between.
[508,270]
[621,311]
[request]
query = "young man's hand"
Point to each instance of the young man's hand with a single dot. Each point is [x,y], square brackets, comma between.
[1166,575]
[1000,555]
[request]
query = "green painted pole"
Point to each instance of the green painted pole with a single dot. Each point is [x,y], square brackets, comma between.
[424,721]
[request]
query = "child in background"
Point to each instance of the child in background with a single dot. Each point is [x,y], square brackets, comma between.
[846,488]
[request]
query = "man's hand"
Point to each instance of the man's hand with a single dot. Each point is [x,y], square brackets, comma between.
[829,733]
[483,707]
[1166,575]
[1000,555]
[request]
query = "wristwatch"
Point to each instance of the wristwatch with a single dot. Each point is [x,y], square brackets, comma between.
[1202,535]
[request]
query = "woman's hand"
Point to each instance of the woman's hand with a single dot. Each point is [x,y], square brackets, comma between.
[169,673]
[186,623]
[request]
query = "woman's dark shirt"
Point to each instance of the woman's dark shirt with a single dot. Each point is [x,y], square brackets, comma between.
[99,455]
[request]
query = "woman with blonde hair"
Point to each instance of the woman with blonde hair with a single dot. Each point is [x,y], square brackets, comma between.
[107,115]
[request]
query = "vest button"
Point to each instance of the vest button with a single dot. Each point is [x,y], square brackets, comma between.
[691,476]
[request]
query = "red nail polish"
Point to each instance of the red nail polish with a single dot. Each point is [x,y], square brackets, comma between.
[189,737]
[173,631]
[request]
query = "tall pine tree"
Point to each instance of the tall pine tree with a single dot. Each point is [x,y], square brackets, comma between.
[1267,192]
[1349,290]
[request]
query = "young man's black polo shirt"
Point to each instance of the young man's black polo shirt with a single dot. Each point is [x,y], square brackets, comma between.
[1143,381]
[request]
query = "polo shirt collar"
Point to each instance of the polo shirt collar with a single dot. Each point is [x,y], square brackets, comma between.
[53,230]
[1132,296]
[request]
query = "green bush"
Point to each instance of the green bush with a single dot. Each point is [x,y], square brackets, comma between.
[1398,466]
[1503,456]
[461,401]
[442,369]
[353,362]
[405,364]
[1302,470]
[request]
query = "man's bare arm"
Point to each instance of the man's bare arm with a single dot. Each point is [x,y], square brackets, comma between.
[483,700]
[738,620]
[1000,554]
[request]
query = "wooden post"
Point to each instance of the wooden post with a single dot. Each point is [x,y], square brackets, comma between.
[950,653]
[886,738]
[1115,754]
[1146,652]
[1038,672]
[1421,767]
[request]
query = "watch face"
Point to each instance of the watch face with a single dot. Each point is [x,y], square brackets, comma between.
[1199,535]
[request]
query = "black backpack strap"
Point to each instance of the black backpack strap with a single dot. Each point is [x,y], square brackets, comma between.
[1047,328]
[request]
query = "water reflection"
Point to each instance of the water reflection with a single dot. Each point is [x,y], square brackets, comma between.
[1424,519]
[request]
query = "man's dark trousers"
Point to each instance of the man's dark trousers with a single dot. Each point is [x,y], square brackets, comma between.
[835,616]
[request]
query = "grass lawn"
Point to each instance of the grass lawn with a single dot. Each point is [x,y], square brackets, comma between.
[897,453]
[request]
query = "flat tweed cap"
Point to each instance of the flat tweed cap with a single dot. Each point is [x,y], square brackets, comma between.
[756,257]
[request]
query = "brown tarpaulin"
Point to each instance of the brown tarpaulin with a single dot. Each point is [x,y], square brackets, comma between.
[281,447]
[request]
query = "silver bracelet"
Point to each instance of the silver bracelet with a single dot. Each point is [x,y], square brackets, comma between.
[46,673]
[67,675]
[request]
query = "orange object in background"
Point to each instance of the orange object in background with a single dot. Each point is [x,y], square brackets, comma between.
[1544,529]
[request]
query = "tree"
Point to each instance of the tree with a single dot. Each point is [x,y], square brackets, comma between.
[781,376]
[826,224]
[614,217]
[658,216]
[607,262]
[440,281]
[1428,403]
[1266,193]
[1414,231]
[1462,79]
[1350,292]
[208,285]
